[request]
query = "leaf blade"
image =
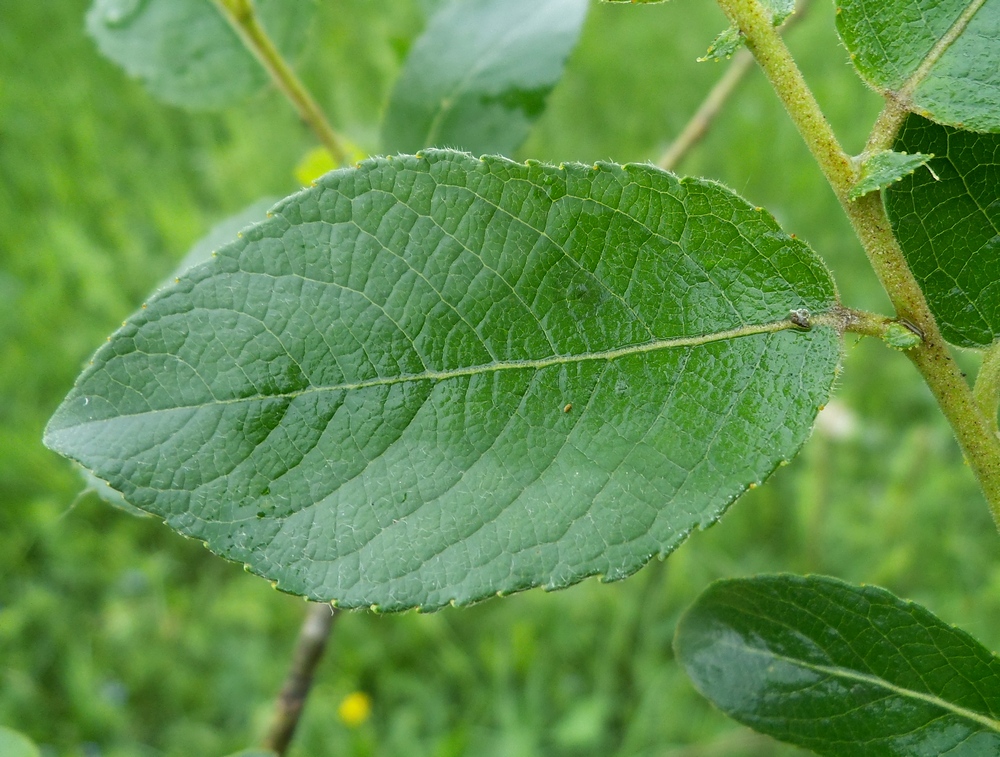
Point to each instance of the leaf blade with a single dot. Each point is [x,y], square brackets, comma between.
[185,52]
[433,379]
[948,226]
[840,669]
[478,78]
[938,58]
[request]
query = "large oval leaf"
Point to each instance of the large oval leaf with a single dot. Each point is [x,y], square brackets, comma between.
[940,57]
[185,52]
[948,224]
[478,78]
[431,379]
[847,671]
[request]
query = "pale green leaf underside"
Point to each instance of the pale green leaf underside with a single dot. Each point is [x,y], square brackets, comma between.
[847,671]
[432,379]
[478,77]
[941,58]
[884,168]
[948,225]
[185,52]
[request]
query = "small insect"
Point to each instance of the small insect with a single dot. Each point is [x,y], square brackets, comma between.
[569,406]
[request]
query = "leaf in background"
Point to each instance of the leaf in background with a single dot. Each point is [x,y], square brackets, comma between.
[847,671]
[185,52]
[884,168]
[949,227]
[432,379]
[221,234]
[14,744]
[478,77]
[940,58]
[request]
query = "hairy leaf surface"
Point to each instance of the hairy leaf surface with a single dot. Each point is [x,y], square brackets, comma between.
[850,671]
[478,78]
[940,57]
[433,378]
[185,51]
[948,224]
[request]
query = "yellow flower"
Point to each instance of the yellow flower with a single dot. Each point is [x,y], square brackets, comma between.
[355,708]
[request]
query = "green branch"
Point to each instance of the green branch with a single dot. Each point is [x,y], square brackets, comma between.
[243,18]
[932,356]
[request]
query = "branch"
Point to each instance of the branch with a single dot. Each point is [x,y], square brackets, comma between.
[308,652]
[867,215]
[698,125]
[243,18]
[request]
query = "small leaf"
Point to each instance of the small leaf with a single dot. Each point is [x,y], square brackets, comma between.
[729,41]
[432,379]
[724,46]
[948,225]
[185,52]
[940,58]
[847,671]
[884,168]
[14,744]
[478,77]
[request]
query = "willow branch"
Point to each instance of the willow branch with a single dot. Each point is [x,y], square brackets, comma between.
[308,652]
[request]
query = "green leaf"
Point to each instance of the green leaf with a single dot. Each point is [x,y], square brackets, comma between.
[14,744]
[939,58]
[884,168]
[185,52]
[730,40]
[222,233]
[433,378]
[478,77]
[850,671]
[254,753]
[724,46]
[948,224]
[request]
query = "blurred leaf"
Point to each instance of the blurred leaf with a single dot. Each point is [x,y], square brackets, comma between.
[109,495]
[851,671]
[884,168]
[948,224]
[185,52]
[921,52]
[14,744]
[478,77]
[254,753]
[314,164]
[433,379]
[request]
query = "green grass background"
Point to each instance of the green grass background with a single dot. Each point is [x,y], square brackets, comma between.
[118,637]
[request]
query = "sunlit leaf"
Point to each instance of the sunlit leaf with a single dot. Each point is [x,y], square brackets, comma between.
[432,379]
[940,58]
[847,671]
[478,78]
[948,224]
[185,51]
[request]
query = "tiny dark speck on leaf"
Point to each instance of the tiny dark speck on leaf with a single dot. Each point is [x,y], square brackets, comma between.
[260,514]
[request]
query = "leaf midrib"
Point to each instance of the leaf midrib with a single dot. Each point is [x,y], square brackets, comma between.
[494,367]
[847,673]
[921,72]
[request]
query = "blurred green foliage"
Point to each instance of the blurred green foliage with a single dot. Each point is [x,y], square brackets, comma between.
[118,637]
